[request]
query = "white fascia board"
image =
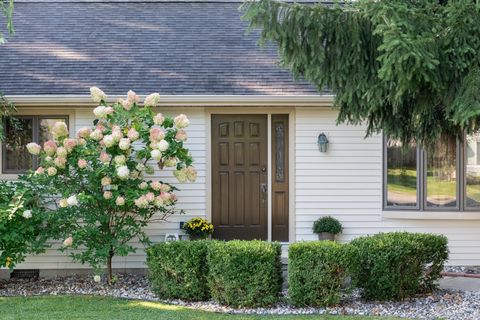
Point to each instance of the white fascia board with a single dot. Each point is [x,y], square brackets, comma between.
[181,100]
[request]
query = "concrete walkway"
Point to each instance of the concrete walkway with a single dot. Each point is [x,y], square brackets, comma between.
[460,283]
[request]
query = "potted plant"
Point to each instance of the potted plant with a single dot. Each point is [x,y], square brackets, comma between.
[327,227]
[198,228]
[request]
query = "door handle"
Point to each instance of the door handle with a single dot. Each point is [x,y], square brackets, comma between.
[264,190]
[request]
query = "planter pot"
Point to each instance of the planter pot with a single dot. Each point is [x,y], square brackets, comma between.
[326,236]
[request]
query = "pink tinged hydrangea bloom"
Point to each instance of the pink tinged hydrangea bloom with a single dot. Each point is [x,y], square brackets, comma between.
[150,196]
[70,144]
[156,134]
[127,104]
[163,145]
[96,135]
[109,110]
[104,157]
[181,135]
[143,185]
[100,126]
[62,152]
[107,195]
[165,188]
[59,130]
[158,202]
[133,134]
[191,174]
[170,162]
[155,185]
[51,171]
[156,155]
[60,162]
[181,121]
[68,242]
[34,148]
[152,100]
[141,202]
[82,163]
[109,141]
[165,196]
[63,203]
[100,112]
[132,96]
[123,172]
[173,197]
[72,201]
[120,160]
[158,119]
[40,170]
[84,132]
[81,141]
[120,201]
[50,147]
[106,181]
[97,95]
[124,144]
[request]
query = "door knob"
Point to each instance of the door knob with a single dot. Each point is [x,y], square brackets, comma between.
[264,187]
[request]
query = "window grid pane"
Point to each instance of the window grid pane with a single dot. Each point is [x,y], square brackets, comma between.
[402,175]
[441,174]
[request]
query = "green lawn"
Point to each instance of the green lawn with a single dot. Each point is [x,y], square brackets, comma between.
[98,308]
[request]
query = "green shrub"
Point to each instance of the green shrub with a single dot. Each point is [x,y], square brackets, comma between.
[316,273]
[327,224]
[244,273]
[178,270]
[397,265]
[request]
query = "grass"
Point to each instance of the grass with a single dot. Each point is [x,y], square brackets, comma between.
[88,307]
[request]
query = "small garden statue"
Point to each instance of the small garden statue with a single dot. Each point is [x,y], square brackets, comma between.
[327,227]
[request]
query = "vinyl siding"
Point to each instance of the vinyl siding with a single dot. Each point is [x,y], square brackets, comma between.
[192,196]
[346,182]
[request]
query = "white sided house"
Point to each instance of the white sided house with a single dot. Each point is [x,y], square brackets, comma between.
[254,131]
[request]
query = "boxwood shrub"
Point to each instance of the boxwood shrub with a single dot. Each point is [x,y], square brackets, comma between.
[396,265]
[244,273]
[178,270]
[316,273]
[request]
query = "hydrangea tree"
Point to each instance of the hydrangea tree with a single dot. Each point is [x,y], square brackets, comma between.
[97,180]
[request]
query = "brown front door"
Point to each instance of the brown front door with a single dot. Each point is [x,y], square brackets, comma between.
[239,176]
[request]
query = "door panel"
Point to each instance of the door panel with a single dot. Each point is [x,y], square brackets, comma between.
[239,176]
[280,177]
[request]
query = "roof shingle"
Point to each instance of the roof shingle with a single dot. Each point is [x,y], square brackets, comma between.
[168,47]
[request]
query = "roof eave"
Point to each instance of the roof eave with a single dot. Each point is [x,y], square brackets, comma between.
[181,100]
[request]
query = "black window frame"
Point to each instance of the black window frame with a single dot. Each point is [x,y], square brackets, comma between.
[461,163]
[36,119]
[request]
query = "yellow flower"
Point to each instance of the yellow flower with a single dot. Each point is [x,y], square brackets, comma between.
[9,262]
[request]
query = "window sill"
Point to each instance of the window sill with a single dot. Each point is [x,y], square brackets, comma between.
[431,215]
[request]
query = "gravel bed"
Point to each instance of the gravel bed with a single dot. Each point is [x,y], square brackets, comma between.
[443,304]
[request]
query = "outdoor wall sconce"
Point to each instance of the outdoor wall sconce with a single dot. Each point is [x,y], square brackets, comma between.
[322,142]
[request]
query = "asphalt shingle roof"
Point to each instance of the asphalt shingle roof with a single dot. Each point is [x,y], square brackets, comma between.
[179,47]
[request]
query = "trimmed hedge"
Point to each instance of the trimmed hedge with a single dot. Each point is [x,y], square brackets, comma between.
[316,273]
[396,265]
[178,270]
[244,273]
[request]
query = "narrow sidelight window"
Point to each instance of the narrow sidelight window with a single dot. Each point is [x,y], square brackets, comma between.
[402,175]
